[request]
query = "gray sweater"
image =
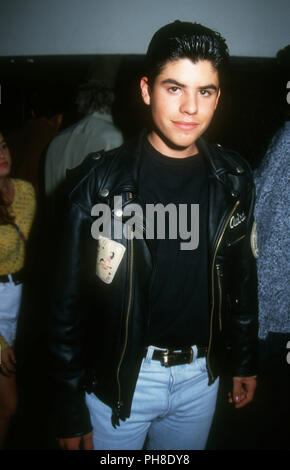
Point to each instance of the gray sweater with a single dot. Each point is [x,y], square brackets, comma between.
[273,227]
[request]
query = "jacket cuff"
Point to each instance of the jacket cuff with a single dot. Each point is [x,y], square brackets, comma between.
[248,376]
[71,418]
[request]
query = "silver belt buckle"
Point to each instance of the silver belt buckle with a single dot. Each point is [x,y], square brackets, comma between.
[165,358]
[171,358]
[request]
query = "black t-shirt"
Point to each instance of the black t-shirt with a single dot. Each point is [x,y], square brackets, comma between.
[179,311]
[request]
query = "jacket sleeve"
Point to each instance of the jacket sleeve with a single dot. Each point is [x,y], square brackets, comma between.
[66,334]
[245,301]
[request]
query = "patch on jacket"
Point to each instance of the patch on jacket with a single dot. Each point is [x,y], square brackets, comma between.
[236,229]
[254,240]
[109,257]
[237,219]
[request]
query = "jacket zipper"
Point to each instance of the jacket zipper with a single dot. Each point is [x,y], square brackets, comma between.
[119,402]
[237,240]
[212,283]
[219,276]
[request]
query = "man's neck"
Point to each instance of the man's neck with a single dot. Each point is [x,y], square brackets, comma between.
[174,152]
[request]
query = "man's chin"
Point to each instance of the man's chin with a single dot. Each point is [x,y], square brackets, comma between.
[179,144]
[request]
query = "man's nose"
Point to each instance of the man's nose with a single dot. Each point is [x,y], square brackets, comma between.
[189,104]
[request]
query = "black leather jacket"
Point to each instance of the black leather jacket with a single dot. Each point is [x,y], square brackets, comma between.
[96,330]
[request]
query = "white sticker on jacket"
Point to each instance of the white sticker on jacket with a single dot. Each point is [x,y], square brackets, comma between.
[109,257]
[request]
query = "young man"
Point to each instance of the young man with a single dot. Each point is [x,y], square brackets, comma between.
[142,325]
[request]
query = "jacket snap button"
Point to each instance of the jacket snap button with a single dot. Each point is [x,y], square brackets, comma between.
[97,156]
[104,193]
[118,212]
[239,169]
[234,193]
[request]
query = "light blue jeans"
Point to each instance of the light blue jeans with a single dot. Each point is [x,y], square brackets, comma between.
[10,297]
[173,407]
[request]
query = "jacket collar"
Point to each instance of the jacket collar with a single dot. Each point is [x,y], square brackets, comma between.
[219,160]
[124,169]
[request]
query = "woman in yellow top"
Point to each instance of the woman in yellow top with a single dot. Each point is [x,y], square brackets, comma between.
[17,207]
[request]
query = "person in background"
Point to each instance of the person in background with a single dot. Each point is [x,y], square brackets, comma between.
[28,143]
[272,217]
[95,131]
[17,208]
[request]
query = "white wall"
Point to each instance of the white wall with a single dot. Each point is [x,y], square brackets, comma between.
[41,27]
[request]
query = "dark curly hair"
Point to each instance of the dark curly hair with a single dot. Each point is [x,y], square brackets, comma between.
[95,95]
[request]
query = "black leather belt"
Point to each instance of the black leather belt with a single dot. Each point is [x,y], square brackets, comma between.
[17,277]
[171,357]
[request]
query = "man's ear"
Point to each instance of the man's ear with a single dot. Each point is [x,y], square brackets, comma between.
[217,98]
[56,120]
[145,90]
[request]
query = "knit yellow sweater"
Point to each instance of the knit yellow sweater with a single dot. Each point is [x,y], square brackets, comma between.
[12,247]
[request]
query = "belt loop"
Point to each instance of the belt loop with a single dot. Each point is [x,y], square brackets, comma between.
[10,278]
[150,351]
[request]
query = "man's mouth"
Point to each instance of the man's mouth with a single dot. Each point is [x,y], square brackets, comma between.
[186,126]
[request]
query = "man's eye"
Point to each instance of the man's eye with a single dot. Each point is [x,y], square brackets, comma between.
[205,93]
[174,89]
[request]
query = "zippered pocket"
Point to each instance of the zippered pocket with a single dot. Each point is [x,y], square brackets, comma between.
[233,242]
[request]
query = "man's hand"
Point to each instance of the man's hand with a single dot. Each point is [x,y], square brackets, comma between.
[243,391]
[84,442]
[8,362]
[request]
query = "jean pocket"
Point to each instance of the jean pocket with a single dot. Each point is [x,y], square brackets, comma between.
[201,364]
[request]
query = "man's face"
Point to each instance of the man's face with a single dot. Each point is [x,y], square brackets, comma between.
[183,100]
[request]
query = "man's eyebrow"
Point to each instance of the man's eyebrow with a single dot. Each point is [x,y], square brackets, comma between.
[171,81]
[210,86]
